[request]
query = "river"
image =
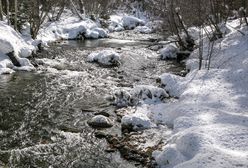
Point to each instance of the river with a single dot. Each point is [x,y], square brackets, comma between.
[44,114]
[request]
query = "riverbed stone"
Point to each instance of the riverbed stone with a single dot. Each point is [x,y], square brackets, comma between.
[104,113]
[100,121]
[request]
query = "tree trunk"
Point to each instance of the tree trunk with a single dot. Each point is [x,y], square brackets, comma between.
[16,11]
[76,11]
[1,10]
[7,11]
[81,6]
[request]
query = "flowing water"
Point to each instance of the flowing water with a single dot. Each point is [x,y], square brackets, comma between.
[43,114]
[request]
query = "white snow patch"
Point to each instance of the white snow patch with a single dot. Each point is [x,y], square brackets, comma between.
[169,52]
[140,93]
[104,57]
[130,22]
[11,41]
[137,121]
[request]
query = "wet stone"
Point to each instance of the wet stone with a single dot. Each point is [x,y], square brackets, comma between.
[100,121]
[100,134]
[104,113]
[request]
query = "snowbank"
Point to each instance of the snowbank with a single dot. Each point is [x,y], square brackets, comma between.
[70,27]
[209,120]
[210,123]
[125,22]
[105,57]
[130,22]
[11,41]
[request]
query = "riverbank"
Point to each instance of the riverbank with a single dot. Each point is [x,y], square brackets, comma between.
[208,123]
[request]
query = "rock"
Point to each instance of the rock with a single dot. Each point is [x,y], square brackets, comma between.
[100,134]
[91,34]
[169,52]
[109,150]
[100,121]
[102,33]
[105,57]
[130,22]
[103,113]
[136,121]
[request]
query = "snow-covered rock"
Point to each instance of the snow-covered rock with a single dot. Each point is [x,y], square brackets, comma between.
[126,22]
[105,57]
[137,121]
[100,121]
[169,52]
[141,93]
[13,42]
[115,23]
[169,157]
[102,33]
[143,29]
[10,41]
[91,34]
[173,84]
[130,22]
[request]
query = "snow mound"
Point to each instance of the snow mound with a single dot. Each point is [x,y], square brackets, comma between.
[130,22]
[169,52]
[105,57]
[69,27]
[11,41]
[91,34]
[169,157]
[115,23]
[102,33]
[173,84]
[136,121]
[124,22]
[143,29]
[141,93]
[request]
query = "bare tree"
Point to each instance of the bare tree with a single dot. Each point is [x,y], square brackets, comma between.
[1,10]
[16,11]
[7,11]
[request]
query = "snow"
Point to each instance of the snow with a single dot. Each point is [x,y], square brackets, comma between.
[138,121]
[130,22]
[104,57]
[91,34]
[122,22]
[70,27]
[102,33]
[169,52]
[11,41]
[140,93]
[209,120]
[143,29]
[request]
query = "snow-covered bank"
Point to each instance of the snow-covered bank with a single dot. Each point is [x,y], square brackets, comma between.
[70,27]
[209,121]
[12,42]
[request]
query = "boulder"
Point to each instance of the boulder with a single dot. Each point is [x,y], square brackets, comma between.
[100,121]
